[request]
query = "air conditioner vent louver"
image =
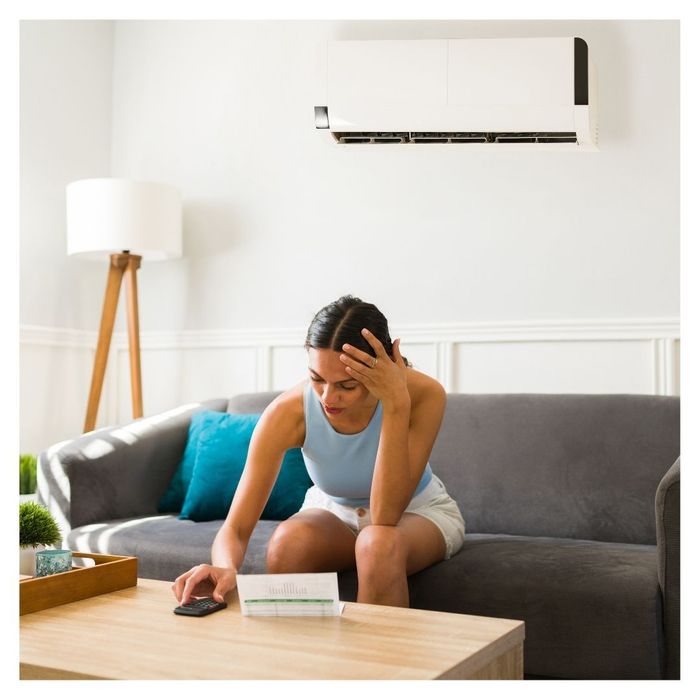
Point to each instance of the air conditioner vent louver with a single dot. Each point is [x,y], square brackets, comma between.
[453,137]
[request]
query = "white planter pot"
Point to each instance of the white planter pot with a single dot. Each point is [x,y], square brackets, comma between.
[27,560]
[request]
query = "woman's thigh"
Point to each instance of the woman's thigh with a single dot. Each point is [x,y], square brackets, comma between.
[424,541]
[413,544]
[313,540]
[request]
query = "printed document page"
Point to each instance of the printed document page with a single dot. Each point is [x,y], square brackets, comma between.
[289,594]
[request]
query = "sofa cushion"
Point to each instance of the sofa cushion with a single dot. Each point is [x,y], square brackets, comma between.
[577,466]
[166,546]
[251,403]
[174,496]
[222,449]
[582,601]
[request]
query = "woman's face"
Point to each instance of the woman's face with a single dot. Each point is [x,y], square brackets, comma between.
[338,392]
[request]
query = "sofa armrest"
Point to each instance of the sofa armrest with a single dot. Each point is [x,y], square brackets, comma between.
[668,544]
[115,472]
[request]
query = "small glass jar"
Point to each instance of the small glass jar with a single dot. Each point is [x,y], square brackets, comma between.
[53,561]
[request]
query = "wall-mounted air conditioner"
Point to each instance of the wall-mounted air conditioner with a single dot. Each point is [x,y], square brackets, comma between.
[527,93]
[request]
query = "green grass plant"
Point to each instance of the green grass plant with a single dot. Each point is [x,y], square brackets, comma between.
[37,526]
[27,474]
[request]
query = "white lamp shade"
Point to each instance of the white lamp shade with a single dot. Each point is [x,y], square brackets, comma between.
[111,215]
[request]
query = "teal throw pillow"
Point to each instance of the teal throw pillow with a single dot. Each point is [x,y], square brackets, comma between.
[174,497]
[222,448]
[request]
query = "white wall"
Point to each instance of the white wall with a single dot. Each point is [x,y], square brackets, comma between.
[437,234]
[65,133]
[502,271]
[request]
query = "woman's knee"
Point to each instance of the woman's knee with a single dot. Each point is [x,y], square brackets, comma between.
[291,547]
[380,546]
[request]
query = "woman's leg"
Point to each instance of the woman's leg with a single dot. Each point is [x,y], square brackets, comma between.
[386,555]
[313,540]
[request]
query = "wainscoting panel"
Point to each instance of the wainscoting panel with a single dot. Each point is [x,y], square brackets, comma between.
[287,366]
[425,357]
[576,367]
[607,356]
[171,377]
[54,382]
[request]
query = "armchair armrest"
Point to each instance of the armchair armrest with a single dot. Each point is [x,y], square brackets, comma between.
[115,472]
[668,545]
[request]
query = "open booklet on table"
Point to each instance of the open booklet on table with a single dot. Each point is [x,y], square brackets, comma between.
[289,594]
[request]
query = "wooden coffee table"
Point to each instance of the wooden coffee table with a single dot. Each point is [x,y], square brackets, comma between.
[133,634]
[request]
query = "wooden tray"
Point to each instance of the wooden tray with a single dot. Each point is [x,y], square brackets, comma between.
[110,573]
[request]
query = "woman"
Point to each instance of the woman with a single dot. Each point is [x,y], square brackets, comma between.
[366,423]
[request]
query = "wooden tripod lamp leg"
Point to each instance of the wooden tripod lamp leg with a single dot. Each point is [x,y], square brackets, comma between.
[117,266]
[132,312]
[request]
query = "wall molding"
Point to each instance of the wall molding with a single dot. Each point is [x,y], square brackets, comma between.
[57,337]
[555,330]
[443,338]
[483,332]
[579,356]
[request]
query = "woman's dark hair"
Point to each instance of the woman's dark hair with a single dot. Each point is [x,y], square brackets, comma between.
[342,321]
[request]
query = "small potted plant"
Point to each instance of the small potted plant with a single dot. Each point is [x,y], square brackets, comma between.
[37,529]
[27,478]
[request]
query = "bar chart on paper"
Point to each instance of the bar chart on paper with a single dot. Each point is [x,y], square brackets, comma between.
[278,595]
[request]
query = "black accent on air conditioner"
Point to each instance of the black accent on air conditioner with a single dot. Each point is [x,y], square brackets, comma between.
[580,72]
[346,137]
[321,117]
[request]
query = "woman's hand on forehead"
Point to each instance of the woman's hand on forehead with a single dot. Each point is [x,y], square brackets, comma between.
[384,376]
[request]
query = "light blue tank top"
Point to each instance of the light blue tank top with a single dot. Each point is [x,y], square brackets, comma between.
[343,465]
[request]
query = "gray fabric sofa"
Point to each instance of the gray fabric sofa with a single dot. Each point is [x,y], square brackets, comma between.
[571,502]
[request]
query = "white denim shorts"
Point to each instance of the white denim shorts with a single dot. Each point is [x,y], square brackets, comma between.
[433,503]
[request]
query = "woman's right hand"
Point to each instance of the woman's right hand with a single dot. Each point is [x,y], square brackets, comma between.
[204,580]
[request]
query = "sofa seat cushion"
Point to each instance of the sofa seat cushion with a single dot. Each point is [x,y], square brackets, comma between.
[582,601]
[165,545]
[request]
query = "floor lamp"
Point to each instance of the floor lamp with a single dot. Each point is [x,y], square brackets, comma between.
[126,221]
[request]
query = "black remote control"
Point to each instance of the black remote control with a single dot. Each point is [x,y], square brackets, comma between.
[199,607]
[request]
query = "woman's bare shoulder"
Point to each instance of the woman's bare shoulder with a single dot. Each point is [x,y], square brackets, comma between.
[286,412]
[290,400]
[423,388]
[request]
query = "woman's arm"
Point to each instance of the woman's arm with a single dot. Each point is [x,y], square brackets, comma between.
[392,479]
[413,406]
[277,431]
[405,444]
